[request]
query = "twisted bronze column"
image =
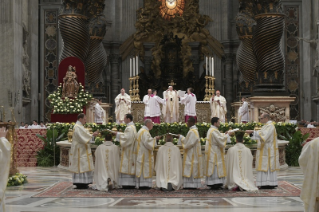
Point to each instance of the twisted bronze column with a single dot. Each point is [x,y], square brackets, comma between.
[246,60]
[73,25]
[266,45]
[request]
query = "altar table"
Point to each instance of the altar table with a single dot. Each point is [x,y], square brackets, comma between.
[202,110]
[66,145]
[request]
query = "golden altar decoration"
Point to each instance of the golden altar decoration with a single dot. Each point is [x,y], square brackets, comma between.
[202,110]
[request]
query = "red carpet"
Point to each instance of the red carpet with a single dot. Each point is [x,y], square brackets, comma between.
[66,190]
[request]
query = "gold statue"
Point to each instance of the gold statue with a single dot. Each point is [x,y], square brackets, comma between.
[70,83]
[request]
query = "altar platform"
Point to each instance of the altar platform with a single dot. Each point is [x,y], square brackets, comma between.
[202,110]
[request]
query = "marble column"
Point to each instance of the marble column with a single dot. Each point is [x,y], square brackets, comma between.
[148,57]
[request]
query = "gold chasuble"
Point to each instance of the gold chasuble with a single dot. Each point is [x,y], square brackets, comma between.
[127,141]
[215,152]
[144,153]
[80,158]
[192,161]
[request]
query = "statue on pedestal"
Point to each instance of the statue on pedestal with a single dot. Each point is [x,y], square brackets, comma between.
[70,83]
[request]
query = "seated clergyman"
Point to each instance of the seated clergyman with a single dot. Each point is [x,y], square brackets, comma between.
[239,165]
[107,161]
[168,166]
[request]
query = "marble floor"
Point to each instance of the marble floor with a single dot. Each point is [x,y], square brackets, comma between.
[18,199]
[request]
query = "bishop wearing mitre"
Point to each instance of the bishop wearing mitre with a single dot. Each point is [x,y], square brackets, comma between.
[171,109]
[239,166]
[309,163]
[107,159]
[218,107]
[192,159]
[144,147]
[5,157]
[169,166]
[267,156]
[127,165]
[122,106]
[80,156]
[215,166]
[189,100]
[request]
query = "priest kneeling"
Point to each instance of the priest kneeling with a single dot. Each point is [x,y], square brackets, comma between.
[168,166]
[239,166]
[107,161]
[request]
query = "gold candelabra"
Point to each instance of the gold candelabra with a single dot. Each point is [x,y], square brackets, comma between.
[134,89]
[209,87]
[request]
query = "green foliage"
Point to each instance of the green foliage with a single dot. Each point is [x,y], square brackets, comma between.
[45,156]
[17,179]
[293,150]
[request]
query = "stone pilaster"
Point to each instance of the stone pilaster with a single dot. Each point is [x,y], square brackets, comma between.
[228,93]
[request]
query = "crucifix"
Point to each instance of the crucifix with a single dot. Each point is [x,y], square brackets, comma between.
[172,83]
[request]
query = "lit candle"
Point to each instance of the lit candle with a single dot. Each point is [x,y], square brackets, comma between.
[213,67]
[137,66]
[130,67]
[206,65]
[133,66]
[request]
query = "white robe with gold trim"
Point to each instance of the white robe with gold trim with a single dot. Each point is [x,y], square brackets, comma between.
[107,161]
[168,166]
[192,160]
[218,110]
[267,156]
[239,166]
[215,152]
[5,157]
[309,161]
[127,141]
[80,157]
[121,107]
[171,109]
[144,153]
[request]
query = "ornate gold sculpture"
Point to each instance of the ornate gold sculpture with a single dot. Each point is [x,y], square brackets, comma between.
[70,83]
[209,87]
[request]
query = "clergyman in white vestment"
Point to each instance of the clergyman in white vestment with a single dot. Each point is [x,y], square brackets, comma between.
[215,166]
[152,106]
[192,159]
[171,109]
[107,161]
[99,113]
[218,107]
[144,155]
[122,106]
[244,112]
[5,157]
[168,166]
[239,166]
[309,163]
[267,156]
[80,156]
[127,163]
[189,100]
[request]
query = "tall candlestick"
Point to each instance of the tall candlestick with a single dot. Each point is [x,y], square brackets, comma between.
[130,67]
[206,65]
[209,67]
[213,67]
[133,66]
[136,65]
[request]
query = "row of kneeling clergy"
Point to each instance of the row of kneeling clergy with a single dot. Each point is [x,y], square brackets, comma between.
[233,171]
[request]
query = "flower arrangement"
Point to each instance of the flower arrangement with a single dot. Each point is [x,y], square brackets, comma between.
[17,179]
[67,105]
